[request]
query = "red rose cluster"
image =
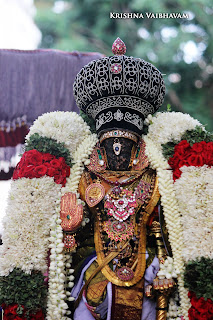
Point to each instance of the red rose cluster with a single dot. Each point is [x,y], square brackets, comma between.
[199,154]
[201,309]
[10,313]
[35,164]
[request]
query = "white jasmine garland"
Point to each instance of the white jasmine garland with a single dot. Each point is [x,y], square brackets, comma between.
[194,190]
[165,127]
[171,214]
[31,205]
[57,295]
[174,310]
[33,222]
[56,305]
[170,126]
[67,127]
[167,269]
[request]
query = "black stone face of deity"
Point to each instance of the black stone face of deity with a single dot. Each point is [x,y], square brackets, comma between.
[122,161]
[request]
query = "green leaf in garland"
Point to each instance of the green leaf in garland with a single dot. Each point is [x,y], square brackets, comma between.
[198,277]
[48,145]
[168,108]
[90,122]
[197,135]
[168,149]
[192,136]
[23,289]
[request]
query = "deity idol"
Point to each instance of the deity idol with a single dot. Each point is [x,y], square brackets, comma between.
[119,187]
[116,222]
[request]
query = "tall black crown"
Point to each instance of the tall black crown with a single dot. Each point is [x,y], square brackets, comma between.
[119,91]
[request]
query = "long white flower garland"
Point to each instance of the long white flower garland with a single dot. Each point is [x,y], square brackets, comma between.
[171,214]
[65,127]
[196,205]
[31,206]
[57,307]
[169,127]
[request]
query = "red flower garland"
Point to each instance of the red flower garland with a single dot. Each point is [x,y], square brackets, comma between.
[201,309]
[199,154]
[10,313]
[35,164]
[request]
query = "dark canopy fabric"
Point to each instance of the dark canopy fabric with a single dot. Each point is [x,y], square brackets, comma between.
[34,82]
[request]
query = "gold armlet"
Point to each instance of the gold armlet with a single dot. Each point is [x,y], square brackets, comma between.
[152,202]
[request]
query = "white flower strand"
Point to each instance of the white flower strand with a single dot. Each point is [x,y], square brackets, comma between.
[167,269]
[171,214]
[196,204]
[67,127]
[31,206]
[174,312]
[170,126]
[57,307]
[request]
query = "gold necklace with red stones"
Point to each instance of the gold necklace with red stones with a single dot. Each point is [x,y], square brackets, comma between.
[130,251]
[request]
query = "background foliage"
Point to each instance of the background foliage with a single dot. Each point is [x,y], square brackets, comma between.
[180,48]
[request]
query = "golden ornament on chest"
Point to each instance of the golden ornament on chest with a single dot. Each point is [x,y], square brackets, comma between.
[94,194]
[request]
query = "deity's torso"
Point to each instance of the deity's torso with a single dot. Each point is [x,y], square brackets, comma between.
[119,203]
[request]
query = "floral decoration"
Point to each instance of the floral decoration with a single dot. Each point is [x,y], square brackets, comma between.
[17,296]
[201,309]
[64,127]
[41,179]
[17,312]
[167,269]
[58,274]
[174,310]
[178,142]
[198,277]
[184,155]
[195,135]
[35,164]
[48,145]
[194,191]
[167,127]
[36,193]
[31,206]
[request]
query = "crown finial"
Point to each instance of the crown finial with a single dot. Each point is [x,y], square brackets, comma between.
[118,47]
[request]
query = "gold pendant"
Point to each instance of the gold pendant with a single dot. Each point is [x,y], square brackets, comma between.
[94,194]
